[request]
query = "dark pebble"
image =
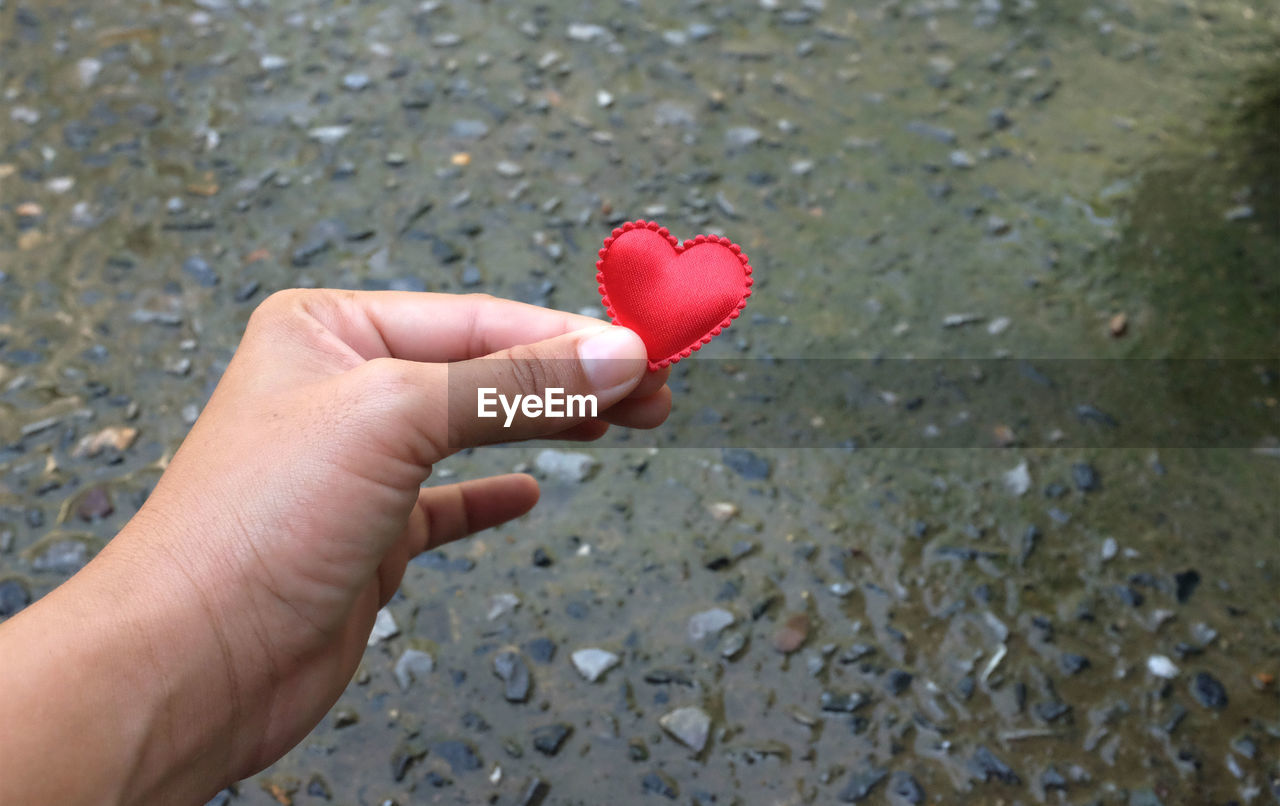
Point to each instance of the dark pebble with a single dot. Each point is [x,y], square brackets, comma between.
[513,671]
[404,757]
[318,787]
[637,750]
[905,788]
[460,756]
[897,681]
[1052,779]
[1049,711]
[861,783]
[842,703]
[985,766]
[1185,584]
[1054,491]
[1208,691]
[13,597]
[534,793]
[541,558]
[548,739]
[435,779]
[247,291]
[1072,664]
[659,783]
[1176,714]
[541,650]
[1085,477]
[747,464]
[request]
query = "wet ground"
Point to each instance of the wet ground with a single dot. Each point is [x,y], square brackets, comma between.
[1018,621]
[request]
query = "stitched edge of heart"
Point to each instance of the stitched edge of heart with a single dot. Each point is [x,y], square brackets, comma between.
[679,247]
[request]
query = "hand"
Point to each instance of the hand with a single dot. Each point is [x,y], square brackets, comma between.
[227,617]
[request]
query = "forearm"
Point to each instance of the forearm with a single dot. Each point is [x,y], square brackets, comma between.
[94,708]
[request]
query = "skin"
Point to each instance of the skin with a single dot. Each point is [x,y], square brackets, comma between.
[221,624]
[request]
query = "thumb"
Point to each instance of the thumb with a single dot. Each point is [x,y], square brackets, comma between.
[543,388]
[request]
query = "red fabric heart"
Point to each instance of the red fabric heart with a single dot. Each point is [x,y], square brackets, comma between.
[675,296]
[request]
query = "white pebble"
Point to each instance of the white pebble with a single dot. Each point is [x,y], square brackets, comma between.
[1160,666]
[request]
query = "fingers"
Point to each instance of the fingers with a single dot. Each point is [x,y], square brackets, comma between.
[432,327]
[544,388]
[457,510]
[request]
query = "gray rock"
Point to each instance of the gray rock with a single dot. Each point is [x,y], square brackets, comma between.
[548,739]
[13,597]
[1208,691]
[905,789]
[460,756]
[513,671]
[592,663]
[742,137]
[747,464]
[199,270]
[414,664]
[565,466]
[468,129]
[63,557]
[691,726]
[710,623]
[861,783]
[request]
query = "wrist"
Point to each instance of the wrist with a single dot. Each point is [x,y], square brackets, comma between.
[94,681]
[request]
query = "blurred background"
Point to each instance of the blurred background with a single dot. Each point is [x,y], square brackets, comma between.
[1018,620]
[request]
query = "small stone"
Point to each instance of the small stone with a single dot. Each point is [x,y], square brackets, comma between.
[14,596]
[94,504]
[593,663]
[1018,480]
[565,466]
[985,766]
[414,664]
[897,681]
[733,645]
[513,671]
[709,623]
[961,319]
[1208,691]
[904,788]
[998,325]
[842,703]
[740,137]
[118,438]
[861,783]
[658,782]
[501,604]
[1185,584]
[1110,548]
[691,726]
[468,129]
[271,61]
[1072,664]
[345,718]
[355,82]
[604,99]
[1118,326]
[199,270]
[64,557]
[793,633]
[586,32]
[542,650]
[548,739]
[508,169]
[747,464]
[460,756]
[541,559]
[1085,477]
[1161,666]
[384,627]
[329,135]
[534,793]
[723,510]
[962,159]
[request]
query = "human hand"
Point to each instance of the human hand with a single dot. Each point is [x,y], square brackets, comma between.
[244,591]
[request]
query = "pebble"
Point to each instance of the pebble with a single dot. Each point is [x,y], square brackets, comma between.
[513,671]
[962,159]
[747,464]
[94,504]
[861,784]
[986,766]
[199,270]
[740,137]
[271,61]
[13,597]
[587,32]
[565,466]
[709,623]
[905,789]
[414,664]
[1161,666]
[1085,477]
[460,756]
[329,135]
[658,782]
[384,627]
[1208,691]
[63,557]
[501,604]
[792,634]
[548,739]
[691,726]
[1018,480]
[468,129]
[593,663]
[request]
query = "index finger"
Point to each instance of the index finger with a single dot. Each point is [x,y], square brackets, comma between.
[439,328]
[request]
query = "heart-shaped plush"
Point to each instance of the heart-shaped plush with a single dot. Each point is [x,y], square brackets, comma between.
[675,296]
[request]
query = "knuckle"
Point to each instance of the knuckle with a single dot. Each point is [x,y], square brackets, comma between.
[531,371]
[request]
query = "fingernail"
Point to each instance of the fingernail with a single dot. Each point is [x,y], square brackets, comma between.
[611,356]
